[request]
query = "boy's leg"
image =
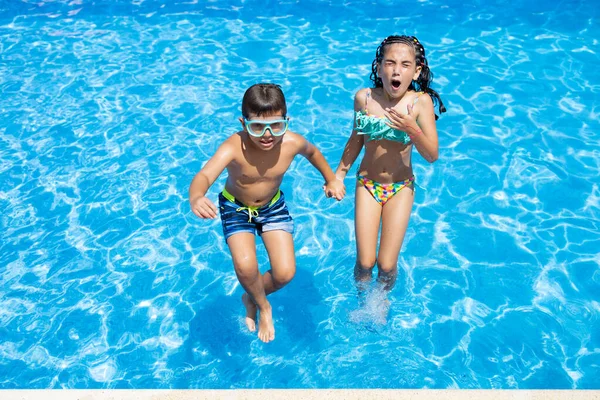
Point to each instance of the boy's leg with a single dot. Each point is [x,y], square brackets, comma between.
[396,214]
[243,251]
[367,218]
[280,247]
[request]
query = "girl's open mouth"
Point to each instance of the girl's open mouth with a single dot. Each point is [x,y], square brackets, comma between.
[396,84]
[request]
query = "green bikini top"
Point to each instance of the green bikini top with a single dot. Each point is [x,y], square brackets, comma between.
[375,128]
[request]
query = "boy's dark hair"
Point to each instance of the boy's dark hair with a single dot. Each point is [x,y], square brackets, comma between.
[263,99]
[424,79]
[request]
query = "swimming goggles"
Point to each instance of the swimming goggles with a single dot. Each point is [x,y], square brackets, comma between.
[258,128]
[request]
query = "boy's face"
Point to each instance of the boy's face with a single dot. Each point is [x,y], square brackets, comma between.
[265,131]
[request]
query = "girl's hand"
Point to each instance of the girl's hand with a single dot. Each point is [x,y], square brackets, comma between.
[204,208]
[402,122]
[335,189]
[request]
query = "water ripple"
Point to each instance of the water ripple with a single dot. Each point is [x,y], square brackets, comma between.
[109,281]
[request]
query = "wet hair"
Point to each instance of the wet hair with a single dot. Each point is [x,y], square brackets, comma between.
[263,99]
[423,82]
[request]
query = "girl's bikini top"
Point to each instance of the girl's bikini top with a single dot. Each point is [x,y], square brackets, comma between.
[375,128]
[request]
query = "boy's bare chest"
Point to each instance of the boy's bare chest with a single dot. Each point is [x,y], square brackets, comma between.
[257,168]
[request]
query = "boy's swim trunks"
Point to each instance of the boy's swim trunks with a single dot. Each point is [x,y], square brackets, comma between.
[237,217]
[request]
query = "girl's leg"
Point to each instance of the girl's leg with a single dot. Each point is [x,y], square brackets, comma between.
[367,218]
[243,251]
[396,214]
[280,247]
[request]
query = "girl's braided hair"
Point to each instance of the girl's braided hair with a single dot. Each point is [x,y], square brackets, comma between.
[425,77]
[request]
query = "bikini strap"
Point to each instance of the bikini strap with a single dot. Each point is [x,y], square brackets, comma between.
[417,97]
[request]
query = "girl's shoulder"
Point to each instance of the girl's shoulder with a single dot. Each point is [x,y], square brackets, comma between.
[422,98]
[362,94]
[361,98]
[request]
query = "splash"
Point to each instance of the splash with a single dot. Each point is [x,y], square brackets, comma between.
[374,307]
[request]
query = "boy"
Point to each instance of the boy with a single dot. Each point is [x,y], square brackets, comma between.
[256,159]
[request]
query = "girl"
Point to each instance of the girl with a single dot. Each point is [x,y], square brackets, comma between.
[389,120]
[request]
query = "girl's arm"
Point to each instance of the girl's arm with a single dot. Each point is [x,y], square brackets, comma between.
[355,143]
[422,131]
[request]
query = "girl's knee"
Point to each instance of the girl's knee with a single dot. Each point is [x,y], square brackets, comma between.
[387,267]
[387,273]
[365,263]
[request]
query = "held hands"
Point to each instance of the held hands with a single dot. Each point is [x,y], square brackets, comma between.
[203,208]
[402,122]
[335,188]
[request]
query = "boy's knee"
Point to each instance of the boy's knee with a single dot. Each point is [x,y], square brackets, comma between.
[246,268]
[282,278]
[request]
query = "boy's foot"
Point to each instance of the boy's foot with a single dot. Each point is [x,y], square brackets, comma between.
[250,312]
[266,330]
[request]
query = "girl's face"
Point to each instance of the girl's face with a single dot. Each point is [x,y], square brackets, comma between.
[397,70]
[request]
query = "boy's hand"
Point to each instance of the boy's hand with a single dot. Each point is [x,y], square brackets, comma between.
[335,188]
[204,208]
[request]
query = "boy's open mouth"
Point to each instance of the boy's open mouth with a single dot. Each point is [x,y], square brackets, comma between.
[396,84]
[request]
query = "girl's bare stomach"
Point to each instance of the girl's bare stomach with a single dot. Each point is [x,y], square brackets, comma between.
[387,164]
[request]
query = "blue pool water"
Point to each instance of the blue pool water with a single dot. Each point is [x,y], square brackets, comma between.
[107,280]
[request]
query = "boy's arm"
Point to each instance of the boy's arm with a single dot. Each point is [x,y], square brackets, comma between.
[201,206]
[355,143]
[334,187]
